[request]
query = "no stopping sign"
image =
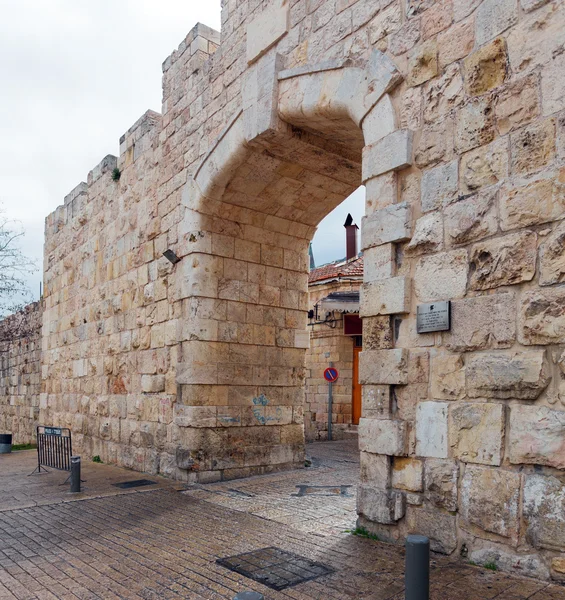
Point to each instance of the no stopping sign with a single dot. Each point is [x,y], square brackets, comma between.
[331,374]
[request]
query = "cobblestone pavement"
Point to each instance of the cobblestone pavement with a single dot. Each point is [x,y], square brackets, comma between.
[161,544]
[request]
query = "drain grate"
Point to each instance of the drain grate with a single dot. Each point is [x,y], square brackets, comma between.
[125,485]
[322,490]
[274,567]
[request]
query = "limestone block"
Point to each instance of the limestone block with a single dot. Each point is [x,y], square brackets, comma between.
[386,22]
[529,5]
[517,104]
[389,224]
[553,86]
[475,124]
[194,416]
[380,121]
[436,142]
[542,317]
[533,147]
[386,297]
[377,333]
[379,263]
[544,512]
[383,367]
[441,483]
[383,78]
[552,258]
[494,17]
[428,235]
[520,375]
[524,565]
[391,153]
[405,38]
[456,42]
[537,436]
[381,506]
[484,166]
[375,469]
[267,29]
[381,192]
[431,429]
[472,218]
[439,186]
[531,204]
[486,68]
[558,566]
[152,383]
[440,527]
[476,432]
[448,377]
[422,63]
[441,276]
[380,436]
[407,474]
[489,501]
[376,401]
[506,260]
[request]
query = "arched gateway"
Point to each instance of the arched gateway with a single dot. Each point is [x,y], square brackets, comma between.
[452,114]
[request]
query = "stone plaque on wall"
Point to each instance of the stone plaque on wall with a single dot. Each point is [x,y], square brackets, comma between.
[433,317]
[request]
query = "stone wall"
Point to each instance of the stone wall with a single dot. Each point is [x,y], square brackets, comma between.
[20,373]
[452,113]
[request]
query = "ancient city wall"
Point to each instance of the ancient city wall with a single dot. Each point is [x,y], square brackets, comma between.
[452,113]
[20,373]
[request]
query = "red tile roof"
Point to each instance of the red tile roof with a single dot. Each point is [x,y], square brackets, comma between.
[338,269]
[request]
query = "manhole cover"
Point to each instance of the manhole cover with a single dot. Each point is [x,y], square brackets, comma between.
[274,567]
[131,484]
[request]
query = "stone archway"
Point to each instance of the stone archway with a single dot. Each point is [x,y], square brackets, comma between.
[303,141]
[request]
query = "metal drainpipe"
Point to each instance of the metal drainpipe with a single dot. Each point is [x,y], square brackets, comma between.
[330,408]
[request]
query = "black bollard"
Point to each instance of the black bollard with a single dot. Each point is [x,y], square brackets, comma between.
[249,596]
[417,570]
[75,474]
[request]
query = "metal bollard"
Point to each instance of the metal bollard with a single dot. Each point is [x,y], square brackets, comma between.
[75,474]
[249,596]
[417,570]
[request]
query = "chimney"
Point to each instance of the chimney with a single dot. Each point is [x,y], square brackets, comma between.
[350,237]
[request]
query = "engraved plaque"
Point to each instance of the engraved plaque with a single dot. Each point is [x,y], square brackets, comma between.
[434,317]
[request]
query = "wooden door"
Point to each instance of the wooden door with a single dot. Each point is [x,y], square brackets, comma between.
[356,387]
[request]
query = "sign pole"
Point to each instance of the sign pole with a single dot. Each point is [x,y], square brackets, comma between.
[330,407]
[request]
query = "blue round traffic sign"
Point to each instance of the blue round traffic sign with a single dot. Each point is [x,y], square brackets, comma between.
[331,374]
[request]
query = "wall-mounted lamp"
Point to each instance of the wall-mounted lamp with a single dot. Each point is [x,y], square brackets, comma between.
[171,257]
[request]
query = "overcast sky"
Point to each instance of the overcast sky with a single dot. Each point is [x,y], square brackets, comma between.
[75,76]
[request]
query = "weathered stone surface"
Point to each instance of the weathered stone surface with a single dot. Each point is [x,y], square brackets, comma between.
[506,260]
[484,166]
[517,104]
[405,38]
[558,566]
[266,29]
[384,366]
[553,86]
[542,317]
[520,375]
[448,377]
[482,322]
[544,512]
[552,258]
[471,219]
[440,527]
[443,94]
[376,402]
[423,63]
[524,565]
[533,147]
[489,500]
[493,17]
[439,186]
[441,276]
[380,506]
[386,22]
[383,436]
[386,297]
[428,235]
[529,5]
[431,429]
[377,333]
[486,69]
[379,263]
[407,474]
[475,124]
[391,153]
[531,204]
[455,43]
[436,143]
[537,436]
[389,224]
[476,432]
[440,483]
[375,469]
